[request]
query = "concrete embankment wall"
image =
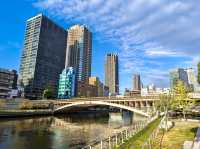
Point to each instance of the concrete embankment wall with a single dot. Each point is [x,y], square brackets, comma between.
[21,113]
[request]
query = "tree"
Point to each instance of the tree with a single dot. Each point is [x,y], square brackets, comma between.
[163,105]
[180,100]
[47,93]
[177,100]
[198,73]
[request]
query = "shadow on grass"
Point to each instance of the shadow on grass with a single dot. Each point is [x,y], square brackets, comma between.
[194,130]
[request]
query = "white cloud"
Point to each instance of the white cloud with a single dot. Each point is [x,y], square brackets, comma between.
[142,29]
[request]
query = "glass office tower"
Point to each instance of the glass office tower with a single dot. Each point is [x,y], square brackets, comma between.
[43,56]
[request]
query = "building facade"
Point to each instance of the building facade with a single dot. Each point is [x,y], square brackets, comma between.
[154,91]
[187,76]
[112,73]
[105,91]
[8,82]
[43,56]
[192,79]
[97,83]
[79,53]
[86,90]
[136,82]
[66,88]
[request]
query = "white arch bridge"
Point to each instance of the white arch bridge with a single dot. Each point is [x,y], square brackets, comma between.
[133,105]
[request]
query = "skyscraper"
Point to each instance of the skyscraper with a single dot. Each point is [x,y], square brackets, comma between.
[43,56]
[111,73]
[79,52]
[136,82]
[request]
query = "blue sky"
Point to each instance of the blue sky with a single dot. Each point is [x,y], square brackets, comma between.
[151,37]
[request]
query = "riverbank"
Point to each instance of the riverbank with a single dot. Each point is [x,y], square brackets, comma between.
[138,140]
[182,131]
[24,113]
[45,112]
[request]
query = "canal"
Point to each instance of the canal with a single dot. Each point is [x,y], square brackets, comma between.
[70,131]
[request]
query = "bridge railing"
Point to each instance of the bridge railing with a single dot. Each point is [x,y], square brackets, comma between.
[119,138]
[114,98]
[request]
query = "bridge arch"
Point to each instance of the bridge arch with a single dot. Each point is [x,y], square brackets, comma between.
[132,109]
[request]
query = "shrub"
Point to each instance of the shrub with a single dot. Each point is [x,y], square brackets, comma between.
[2,103]
[25,105]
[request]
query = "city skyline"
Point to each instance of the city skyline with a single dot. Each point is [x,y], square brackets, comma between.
[158,59]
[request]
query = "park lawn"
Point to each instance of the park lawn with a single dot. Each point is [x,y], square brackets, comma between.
[182,131]
[139,139]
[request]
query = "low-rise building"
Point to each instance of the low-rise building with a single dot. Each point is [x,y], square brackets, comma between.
[94,81]
[66,87]
[132,93]
[105,91]
[151,90]
[8,82]
[86,90]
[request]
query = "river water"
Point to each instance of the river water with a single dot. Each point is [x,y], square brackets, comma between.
[61,132]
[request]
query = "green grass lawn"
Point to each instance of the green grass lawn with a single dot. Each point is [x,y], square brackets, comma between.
[182,131]
[138,140]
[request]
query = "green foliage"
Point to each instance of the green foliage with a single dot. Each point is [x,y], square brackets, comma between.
[2,103]
[47,93]
[180,101]
[198,73]
[40,106]
[177,101]
[164,103]
[26,105]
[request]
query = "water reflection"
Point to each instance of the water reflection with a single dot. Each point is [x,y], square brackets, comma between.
[62,132]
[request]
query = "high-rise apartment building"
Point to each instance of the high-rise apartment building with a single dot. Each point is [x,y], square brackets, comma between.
[43,56]
[111,73]
[8,81]
[136,82]
[192,79]
[79,51]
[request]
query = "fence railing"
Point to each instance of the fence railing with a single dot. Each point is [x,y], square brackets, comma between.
[119,138]
[150,142]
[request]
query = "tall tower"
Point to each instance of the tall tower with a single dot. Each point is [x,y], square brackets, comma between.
[43,56]
[79,52]
[111,73]
[136,82]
